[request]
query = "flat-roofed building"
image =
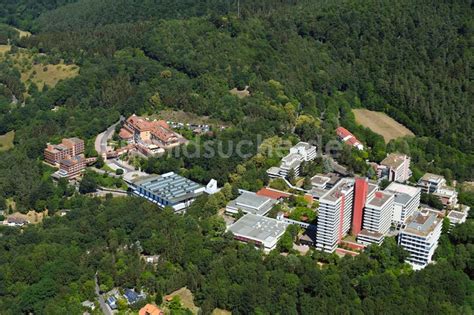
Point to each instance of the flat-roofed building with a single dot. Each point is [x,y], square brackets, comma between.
[420,237]
[396,167]
[305,150]
[458,216]
[325,181]
[72,167]
[301,152]
[430,183]
[407,201]
[334,215]
[249,202]
[448,196]
[377,218]
[259,230]
[168,189]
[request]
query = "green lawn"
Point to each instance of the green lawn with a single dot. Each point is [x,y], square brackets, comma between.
[6,141]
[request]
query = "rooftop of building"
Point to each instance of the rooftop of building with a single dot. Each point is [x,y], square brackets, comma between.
[250,202]
[319,180]
[292,160]
[272,193]
[258,228]
[169,186]
[394,160]
[338,190]
[422,223]
[457,215]
[70,161]
[403,193]
[434,178]
[150,309]
[303,145]
[333,178]
[380,199]
[370,234]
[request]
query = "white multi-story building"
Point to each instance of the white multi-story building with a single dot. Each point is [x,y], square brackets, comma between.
[407,201]
[377,218]
[436,185]
[396,167]
[306,150]
[431,183]
[334,215]
[420,237]
[301,152]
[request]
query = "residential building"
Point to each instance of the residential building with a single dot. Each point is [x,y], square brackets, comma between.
[150,309]
[262,231]
[448,196]
[158,132]
[407,201]
[305,150]
[347,137]
[72,167]
[325,181]
[272,193]
[377,218]
[16,221]
[334,218]
[395,167]
[133,297]
[431,183]
[112,302]
[458,216]
[436,185]
[168,189]
[420,237]
[69,147]
[249,202]
[301,152]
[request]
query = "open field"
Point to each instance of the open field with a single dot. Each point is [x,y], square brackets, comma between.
[6,141]
[218,311]
[4,48]
[187,299]
[382,124]
[37,72]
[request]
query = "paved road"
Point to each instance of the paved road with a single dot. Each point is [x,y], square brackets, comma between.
[101,139]
[122,165]
[105,309]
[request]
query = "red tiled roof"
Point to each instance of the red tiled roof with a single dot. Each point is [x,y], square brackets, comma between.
[343,132]
[272,193]
[125,134]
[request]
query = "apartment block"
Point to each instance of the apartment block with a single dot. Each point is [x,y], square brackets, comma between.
[420,237]
[54,153]
[407,201]
[377,218]
[395,167]
[72,167]
[436,185]
[334,218]
[431,183]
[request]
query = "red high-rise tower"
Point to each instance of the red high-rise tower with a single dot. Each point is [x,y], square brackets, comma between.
[360,197]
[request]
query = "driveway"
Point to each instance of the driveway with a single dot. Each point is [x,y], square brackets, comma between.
[105,308]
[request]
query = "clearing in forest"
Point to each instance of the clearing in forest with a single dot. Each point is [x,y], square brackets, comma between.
[6,141]
[4,48]
[380,123]
[33,67]
[187,299]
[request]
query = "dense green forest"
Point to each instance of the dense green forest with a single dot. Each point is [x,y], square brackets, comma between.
[307,64]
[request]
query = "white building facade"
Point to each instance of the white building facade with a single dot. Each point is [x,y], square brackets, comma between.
[334,215]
